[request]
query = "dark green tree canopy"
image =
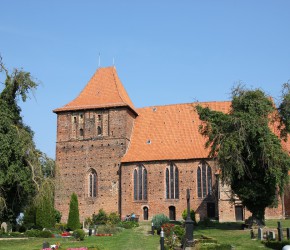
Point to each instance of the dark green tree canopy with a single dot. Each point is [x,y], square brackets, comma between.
[249,154]
[21,164]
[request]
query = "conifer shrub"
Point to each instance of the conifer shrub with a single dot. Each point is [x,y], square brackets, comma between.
[158,220]
[73,221]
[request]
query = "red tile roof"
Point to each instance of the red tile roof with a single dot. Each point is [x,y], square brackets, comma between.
[169,133]
[103,90]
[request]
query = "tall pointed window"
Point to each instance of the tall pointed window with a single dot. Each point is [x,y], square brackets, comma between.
[92,183]
[204,180]
[140,183]
[172,182]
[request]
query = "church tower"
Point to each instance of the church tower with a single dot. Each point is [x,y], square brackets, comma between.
[93,134]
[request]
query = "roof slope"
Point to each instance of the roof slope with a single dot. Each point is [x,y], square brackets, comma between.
[103,90]
[169,133]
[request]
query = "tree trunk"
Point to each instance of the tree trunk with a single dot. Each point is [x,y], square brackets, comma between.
[258,217]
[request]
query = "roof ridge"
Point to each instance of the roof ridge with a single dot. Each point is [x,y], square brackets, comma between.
[118,87]
[179,104]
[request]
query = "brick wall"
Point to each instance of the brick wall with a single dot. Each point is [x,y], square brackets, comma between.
[157,202]
[80,148]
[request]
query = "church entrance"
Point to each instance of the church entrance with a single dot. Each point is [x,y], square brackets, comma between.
[145,213]
[211,210]
[239,213]
[172,213]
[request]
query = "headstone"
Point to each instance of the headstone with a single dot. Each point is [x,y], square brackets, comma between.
[45,245]
[280,231]
[260,234]
[286,247]
[4,227]
[272,235]
[252,234]
[288,233]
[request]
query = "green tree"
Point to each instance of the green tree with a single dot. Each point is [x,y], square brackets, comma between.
[17,149]
[45,212]
[249,154]
[73,221]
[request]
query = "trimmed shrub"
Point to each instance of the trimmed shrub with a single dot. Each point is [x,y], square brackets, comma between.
[158,220]
[32,233]
[73,221]
[276,244]
[79,234]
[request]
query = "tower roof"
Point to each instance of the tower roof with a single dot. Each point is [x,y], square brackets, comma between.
[102,91]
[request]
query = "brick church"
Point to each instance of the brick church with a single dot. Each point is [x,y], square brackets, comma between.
[124,159]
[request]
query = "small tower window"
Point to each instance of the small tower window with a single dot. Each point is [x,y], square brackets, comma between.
[81,132]
[99,130]
[75,119]
[99,117]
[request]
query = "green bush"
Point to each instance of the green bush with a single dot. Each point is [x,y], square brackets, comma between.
[158,220]
[60,227]
[38,233]
[113,218]
[100,218]
[73,221]
[192,215]
[79,234]
[128,224]
[15,234]
[276,244]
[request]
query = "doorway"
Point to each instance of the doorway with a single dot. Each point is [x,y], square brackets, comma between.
[172,213]
[239,211]
[145,213]
[211,210]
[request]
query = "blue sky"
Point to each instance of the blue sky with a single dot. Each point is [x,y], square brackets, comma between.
[165,52]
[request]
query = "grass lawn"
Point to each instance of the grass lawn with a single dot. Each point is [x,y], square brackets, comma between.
[137,238]
[140,239]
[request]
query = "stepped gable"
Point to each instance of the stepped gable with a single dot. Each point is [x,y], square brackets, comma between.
[104,90]
[169,133]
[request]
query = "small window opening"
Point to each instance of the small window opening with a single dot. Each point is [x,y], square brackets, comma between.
[75,119]
[99,130]
[99,117]
[81,132]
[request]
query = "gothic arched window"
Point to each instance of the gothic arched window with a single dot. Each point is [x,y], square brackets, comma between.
[92,183]
[204,180]
[172,182]
[140,183]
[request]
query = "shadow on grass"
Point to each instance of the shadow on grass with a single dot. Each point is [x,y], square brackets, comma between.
[218,225]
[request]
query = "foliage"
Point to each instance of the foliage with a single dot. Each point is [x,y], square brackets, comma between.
[29,219]
[21,170]
[128,224]
[57,216]
[73,221]
[276,244]
[79,234]
[60,226]
[113,218]
[158,220]
[249,154]
[45,212]
[100,218]
[38,233]
[192,215]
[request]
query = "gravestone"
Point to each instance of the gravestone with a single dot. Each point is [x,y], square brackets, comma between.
[272,235]
[280,231]
[260,234]
[4,227]
[45,245]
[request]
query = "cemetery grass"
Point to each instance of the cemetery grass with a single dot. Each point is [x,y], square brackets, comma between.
[136,238]
[232,234]
[140,239]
